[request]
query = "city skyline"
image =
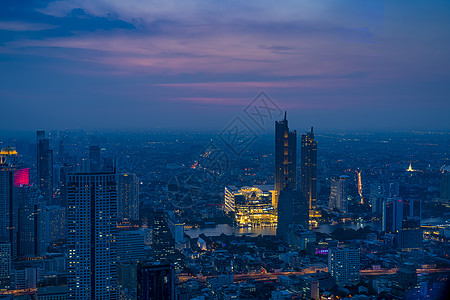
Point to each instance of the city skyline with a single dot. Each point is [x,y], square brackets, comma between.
[344,65]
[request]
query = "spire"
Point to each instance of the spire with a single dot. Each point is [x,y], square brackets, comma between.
[285,115]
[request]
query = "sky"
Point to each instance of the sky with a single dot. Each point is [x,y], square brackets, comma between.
[197,64]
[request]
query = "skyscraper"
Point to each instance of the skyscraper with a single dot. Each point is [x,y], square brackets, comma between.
[30,225]
[163,242]
[445,186]
[285,156]
[392,214]
[156,280]
[344,265]
[12,177]
[128,205]
[45,167]
[91,225]
[410,236]
[292,209]
[5,265]
[308,181]
[339,193]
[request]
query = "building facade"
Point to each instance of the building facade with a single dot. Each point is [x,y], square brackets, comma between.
[308,181]
[344,265]
[339,193]
[128,206]
[45,167]
[91,236]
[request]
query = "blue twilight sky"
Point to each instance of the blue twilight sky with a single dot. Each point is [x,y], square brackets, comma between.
[334,64]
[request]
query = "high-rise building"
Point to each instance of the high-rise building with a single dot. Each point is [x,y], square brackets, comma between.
[339,193]
[308,181]
[392,215]
[94,159]
[285,156]
[410,236]
[5,266]
[130,246]
[91,235]
[344,265]
[128,205]
[292,209]
[163,242]
[45,167]
[12,177]
[30,225]
[156,280]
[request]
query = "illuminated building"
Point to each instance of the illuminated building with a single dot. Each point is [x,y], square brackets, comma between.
[55,223]
[344,265]
[308,180]
[285,156]
[12,177]
[155,280]
[163,242]
[45,167]
[410,235]
[392,215]
[91,227]
[339,193]
[252,206]
[128,189]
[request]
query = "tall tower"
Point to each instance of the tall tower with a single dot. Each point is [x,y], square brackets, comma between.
[12,178]
[45,167]
[392,214]
[155,280]
[128,205]
[163,242]
[308,180]
[94,159]
[285,156]
[339,193]
[91,234]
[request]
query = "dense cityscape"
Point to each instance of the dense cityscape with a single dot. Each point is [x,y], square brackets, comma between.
[224,149]
[177,215]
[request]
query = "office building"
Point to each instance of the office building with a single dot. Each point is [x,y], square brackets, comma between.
[252,206]
[392,215]
[344,265]
[285,156]
[12,177]
[163,242]
[292,210]
[30,221]
[308,181]
[5,266]
[55,223]
[339,193]
[130,246]
[45,167]
[128,205]
[91,234]
[156,280]
[410,236]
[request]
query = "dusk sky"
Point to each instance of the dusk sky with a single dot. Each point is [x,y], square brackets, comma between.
[143,64]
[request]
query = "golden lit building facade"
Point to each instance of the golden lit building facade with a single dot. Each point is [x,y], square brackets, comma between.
[252,206]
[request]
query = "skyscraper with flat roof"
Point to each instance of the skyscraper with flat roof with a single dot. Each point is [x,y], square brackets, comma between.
[45,167]
[91,236]
[339,193]
[163,242]
[308,181]
[128,188]
[344,265]
[156,280]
